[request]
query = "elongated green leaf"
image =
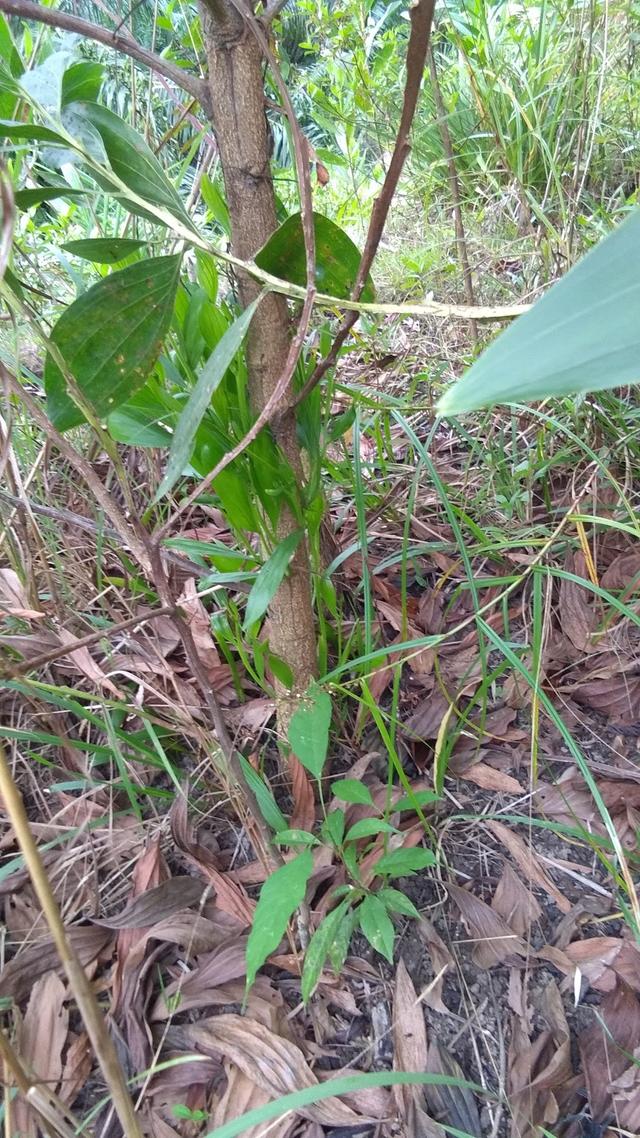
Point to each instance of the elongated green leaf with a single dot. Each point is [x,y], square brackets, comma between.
[81,81]
[337,258]
[210,377]
[269,579]
[110,337]
[309,730]
[397,902]
[279,898]
[269,808]
[26,199]
[583,335]
[103,250]
[367,827]
[377,926]
[319,947]
[352,790]
[402,863]
[132,160]
[30,132]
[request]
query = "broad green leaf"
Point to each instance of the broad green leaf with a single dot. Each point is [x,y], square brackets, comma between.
[210,377]
[26,199]
[309,730]
[30,132]
[367,827]
[269,808]
[103,250]
[417,798]
[145,420]
[215,203]
[132,160]
[281,671]
[110,337]
[296,837]
[337,258]
[583,335]
[8,52]
[44,82]
[377,926]
[81,82]
[280,896]
[319,946]
[332,828]
[352,790]
[269,579]
[402,863]
[397,902]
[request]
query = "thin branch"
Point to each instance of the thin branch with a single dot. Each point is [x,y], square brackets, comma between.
[101,1040]
[29,10]
[421,17]
[454,187]
[84,642]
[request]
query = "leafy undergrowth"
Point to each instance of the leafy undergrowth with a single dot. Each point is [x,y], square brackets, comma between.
[466,847]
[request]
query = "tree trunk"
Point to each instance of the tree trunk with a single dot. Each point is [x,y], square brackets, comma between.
[241,129]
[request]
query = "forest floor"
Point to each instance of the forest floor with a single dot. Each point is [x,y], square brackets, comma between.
[522,975]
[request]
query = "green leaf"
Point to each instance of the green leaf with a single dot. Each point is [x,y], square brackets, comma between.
[332,828]
[132,161]
[309,730]
[145,420]
[583,335]
[82,82]
[280,896]
[281,670]
[417,798]
[269,808]
[269,579]
[367,827]
[319,946]
[110,337]
[339,946]
[296,837]
[103,250]
[377,926]
[402,863]
[216,204]
[26,199]
[352,790]
[210,377]
[397,902]
[337,258]
[30,132]
[43,83]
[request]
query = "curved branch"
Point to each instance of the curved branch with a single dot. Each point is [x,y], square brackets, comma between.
[29,10]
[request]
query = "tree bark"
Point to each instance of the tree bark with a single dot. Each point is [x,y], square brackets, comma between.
[239,122]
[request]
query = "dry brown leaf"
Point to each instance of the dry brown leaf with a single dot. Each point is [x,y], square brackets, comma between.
[409,1038]
[14,599]
[603,959]
[494,941]
[218,673]
[441,960]
[304,807]
[454,1106]
[540,1075]
[488,778]
[242,1094]
[158,1128]
[527,860]
[605,1052]
[198,988]
[623,573]
[576,606]
[18,977]
[157,904]
[274,1063]
[230,896]
[426,719]
[77,1068]
[513,901]
[43,1034]
[82,659]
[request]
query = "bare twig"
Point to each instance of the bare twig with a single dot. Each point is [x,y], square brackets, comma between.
[84,642]
[454,187]
[421,17]
[101,1040]
[29,10]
